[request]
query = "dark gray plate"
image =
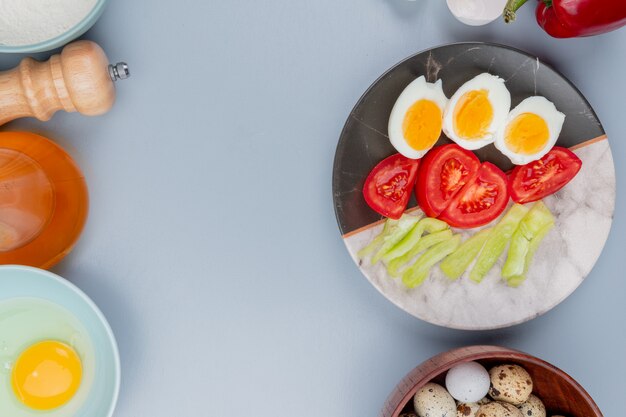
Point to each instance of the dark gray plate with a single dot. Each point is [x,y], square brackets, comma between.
[364,142]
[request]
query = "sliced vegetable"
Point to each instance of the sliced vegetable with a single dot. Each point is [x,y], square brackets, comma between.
[516,280]
[497,241]
[378,240]
[427,224]
[389,185]
[482,200]
[393,267]
[541,178]
[457,263]
[395,235]
[441,175]
[536,220]
[419,271]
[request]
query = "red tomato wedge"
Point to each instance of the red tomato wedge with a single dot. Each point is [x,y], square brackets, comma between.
[389,185]
[546,176]
[483,199]
[443,173]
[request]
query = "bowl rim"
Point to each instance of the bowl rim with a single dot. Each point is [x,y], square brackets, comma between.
[74,32]
[107,327]
[442,362]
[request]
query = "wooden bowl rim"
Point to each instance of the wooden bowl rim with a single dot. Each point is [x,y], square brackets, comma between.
[467,354]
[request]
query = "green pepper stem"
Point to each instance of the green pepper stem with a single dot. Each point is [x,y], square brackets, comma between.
[511,7]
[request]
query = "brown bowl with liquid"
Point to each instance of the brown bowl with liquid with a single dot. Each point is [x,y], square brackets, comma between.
[560,393]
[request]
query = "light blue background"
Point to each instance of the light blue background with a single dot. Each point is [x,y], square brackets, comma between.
[212,245]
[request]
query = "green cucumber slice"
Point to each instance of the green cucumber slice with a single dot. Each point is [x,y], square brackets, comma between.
[393,267]
[517,280]
[536,220]
[497,241]
[457,263]
[395,235]
[378,240]
[427,224]
[419,271]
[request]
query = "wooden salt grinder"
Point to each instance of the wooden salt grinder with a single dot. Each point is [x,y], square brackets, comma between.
[78,79]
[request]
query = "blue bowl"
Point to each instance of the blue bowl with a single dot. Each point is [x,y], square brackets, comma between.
[23,281]
[82,27]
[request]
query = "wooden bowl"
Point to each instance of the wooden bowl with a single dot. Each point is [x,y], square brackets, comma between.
[559,392]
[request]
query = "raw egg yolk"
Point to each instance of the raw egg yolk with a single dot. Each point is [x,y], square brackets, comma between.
[422,125]
[473,114]
[46,375]
[527,134]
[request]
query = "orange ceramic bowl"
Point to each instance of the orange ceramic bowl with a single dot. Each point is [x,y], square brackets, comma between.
[558,391]
[43,201]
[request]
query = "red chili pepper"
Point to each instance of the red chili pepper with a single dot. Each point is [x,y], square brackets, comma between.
[574,18]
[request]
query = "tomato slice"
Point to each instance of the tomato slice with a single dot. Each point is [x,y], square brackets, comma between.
[388,187]
[541,178]
[443,173]
[483,199]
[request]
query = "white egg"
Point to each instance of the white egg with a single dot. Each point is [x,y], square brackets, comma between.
[477,111]
[468,382]
[530,130]
[416,118]
[476,12]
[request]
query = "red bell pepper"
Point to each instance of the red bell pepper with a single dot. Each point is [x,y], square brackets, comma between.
[574,18]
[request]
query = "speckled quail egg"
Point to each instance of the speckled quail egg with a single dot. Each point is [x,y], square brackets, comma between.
[477,111]
[530,130]
[416,118]
[467,409]
[432,400]
[510,383]
[468,382]
[533,407]
[498,409]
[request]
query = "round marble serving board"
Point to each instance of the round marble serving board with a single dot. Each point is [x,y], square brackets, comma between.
[583,209]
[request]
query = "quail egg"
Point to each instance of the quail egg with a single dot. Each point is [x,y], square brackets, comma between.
[467,409]
[432,400]
[468,382]
[416,118]
[530,131]
[476,112]
[510,383]
[533,407]
[498,409]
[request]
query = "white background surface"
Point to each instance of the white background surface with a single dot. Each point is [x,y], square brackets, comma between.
[212,245]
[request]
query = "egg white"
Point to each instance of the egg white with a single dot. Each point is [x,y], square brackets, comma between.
[543,108]
[417,90]
[498,96]
[26,321]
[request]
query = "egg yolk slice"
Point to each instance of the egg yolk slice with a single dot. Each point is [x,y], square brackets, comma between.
[527,134]
[46,375]
[422,125]
[473,114]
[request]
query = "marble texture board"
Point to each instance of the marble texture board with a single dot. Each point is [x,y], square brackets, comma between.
[583,209]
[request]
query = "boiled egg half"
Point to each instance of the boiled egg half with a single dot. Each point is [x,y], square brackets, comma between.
[530,130]
[476,111]
[416,118]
